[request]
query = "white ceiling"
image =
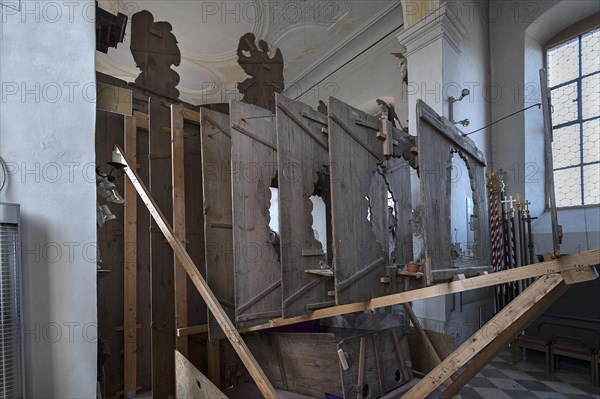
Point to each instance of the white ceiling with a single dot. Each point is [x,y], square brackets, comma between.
[306,31]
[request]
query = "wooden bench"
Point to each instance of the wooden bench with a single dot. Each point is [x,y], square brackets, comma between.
[539,344]
[575,350]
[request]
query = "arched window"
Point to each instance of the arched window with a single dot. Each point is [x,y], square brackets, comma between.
[573,61]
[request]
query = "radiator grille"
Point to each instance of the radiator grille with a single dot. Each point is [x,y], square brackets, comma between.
[10,314]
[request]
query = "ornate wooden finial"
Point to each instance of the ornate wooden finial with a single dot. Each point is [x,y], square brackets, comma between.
[266,73]
[495,182]
[154,50]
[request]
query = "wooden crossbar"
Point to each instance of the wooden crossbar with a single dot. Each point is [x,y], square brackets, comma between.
[578,263]
[237,342]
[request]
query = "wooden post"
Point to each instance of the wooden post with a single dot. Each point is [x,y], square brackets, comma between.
[130,268]
[264,385]
[503,339]
[484,336]
[180,277]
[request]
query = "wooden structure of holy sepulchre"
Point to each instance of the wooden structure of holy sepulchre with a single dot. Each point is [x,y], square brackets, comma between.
[205,275]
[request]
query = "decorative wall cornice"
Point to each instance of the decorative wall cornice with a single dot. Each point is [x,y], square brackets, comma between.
[443,23]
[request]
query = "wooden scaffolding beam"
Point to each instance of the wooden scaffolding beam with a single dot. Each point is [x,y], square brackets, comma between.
[130,268]
[513,315]
[232,334]
[178,183]
[565,264]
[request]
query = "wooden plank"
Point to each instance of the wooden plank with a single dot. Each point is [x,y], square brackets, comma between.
[584,259]
[401,357]
[191,383]
[202,329]
[257,269]
[130,268]
[277,345]
[161,258]
[144,296]
[141,120]
[511,313]
[361,369]
[578,274]
[218,236]
[358,193]
[500,343]
[200,284]
[178,190]
[548,162]
[301,158]
[191,116]
[213,353]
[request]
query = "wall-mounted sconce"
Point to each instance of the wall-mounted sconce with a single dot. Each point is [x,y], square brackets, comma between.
[451,101]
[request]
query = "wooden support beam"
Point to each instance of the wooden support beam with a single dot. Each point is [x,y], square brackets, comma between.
[484,336]
[429,348]
[130,268]
[183,331]
[498,344]
[178,187]
[213,355]
[575,262]
[238,344]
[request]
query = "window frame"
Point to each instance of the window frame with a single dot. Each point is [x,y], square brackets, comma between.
[575,31]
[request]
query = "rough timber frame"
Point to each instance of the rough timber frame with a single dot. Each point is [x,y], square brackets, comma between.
[553,279]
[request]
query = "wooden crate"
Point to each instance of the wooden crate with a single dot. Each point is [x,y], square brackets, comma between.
[377,359]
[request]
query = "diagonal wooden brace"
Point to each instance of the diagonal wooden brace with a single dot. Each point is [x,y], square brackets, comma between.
[238,344]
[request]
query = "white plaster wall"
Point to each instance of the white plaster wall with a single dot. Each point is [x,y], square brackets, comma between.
[47,122]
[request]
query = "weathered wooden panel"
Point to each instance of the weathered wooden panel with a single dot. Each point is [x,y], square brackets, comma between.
[397,173]
[256,260]
[303,169]
[437,140]
[308,363]
[216,183]
[161,255]
[196,307]
[144,303]
[191,383]
[359,203]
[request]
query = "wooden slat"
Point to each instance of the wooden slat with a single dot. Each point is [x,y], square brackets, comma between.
[130,268]
[360,245]
[191,383]
[192,270]
[548,161]
[584,259]
[301,156]
[161,257]
[202,329]
[400,355]
[361,369]
[257,269]
[191,116]
[178,190]
[218,234]
[213,358]
[500,343]
[492,329]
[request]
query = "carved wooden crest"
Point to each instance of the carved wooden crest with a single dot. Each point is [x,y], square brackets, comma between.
[266,73]
[154,50]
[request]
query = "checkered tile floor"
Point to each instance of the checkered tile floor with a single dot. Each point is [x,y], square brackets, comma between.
[528,379]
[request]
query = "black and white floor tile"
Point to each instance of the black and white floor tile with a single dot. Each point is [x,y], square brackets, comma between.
[528,379]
